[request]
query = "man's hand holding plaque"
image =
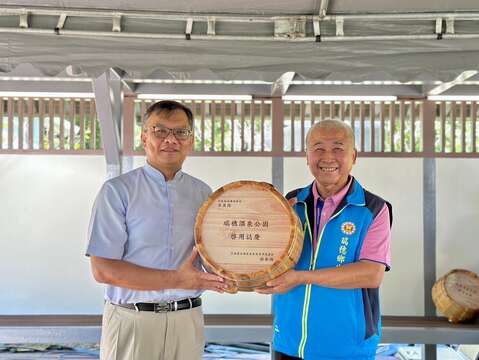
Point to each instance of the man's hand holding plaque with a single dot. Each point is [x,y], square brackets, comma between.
[247,233]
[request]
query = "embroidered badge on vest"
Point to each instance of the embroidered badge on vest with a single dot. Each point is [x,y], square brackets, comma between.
[348,228]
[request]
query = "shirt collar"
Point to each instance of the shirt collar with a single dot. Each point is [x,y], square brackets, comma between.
[336,198]
[158,175]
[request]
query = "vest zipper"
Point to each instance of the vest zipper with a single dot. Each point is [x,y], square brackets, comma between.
[312,267]
[307,291]
[316,252]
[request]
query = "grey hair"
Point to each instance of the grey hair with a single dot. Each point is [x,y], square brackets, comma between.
[332,124]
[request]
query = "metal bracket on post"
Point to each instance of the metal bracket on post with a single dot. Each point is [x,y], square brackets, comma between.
[116,26]
[188,29]
[211,26]
[450,26]
[317,30]
[282,84]
[339,26]
[439,31]
[323,8]
[60,23]
[23,20]
[108,98]
[439,89]
[290,28]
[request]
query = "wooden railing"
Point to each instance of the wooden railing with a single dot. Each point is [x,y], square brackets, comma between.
[379,127]
[223,126]
[247,128]
[457,128]
[44,125]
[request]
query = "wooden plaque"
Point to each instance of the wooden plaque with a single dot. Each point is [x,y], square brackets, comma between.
[248,233]
[456,295]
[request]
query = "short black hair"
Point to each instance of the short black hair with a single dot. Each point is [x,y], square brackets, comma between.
[168,107]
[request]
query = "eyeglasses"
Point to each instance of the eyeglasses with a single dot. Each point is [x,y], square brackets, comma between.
[162,132]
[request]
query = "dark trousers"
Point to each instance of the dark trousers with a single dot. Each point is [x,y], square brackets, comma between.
[281,356]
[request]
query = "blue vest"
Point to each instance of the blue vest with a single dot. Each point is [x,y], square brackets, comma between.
[315,322]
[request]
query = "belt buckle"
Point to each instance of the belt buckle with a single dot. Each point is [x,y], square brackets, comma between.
[162,307]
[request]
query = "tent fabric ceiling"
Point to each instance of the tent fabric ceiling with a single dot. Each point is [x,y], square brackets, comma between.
[259,7]
[400,60]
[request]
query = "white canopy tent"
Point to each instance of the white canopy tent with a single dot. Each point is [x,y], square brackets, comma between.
[413,43]
[407,49]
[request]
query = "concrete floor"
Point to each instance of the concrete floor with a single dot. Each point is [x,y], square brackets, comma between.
[90,352]
[74,356]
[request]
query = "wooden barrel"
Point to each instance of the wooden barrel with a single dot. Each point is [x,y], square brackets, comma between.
[456,295]
[248,233]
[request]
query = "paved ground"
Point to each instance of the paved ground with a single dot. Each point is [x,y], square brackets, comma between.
[90,352]
[75,356]
[46,356]
[212,352]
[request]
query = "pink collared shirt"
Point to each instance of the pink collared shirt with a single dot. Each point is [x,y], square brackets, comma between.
[376,245]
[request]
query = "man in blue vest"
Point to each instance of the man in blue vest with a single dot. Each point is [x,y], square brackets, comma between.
[327,307]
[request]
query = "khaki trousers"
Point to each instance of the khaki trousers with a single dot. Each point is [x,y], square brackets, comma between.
[145,335]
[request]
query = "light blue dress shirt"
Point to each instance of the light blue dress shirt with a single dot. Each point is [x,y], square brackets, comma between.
[143,219]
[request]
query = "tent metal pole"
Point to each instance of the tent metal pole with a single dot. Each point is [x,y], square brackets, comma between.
[96,34]
[249,18]
[429,216]
[108,98]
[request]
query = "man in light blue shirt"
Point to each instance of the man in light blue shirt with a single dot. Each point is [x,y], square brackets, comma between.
[141,246]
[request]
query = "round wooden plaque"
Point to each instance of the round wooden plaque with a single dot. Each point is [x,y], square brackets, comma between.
[456,295]
[248,233]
